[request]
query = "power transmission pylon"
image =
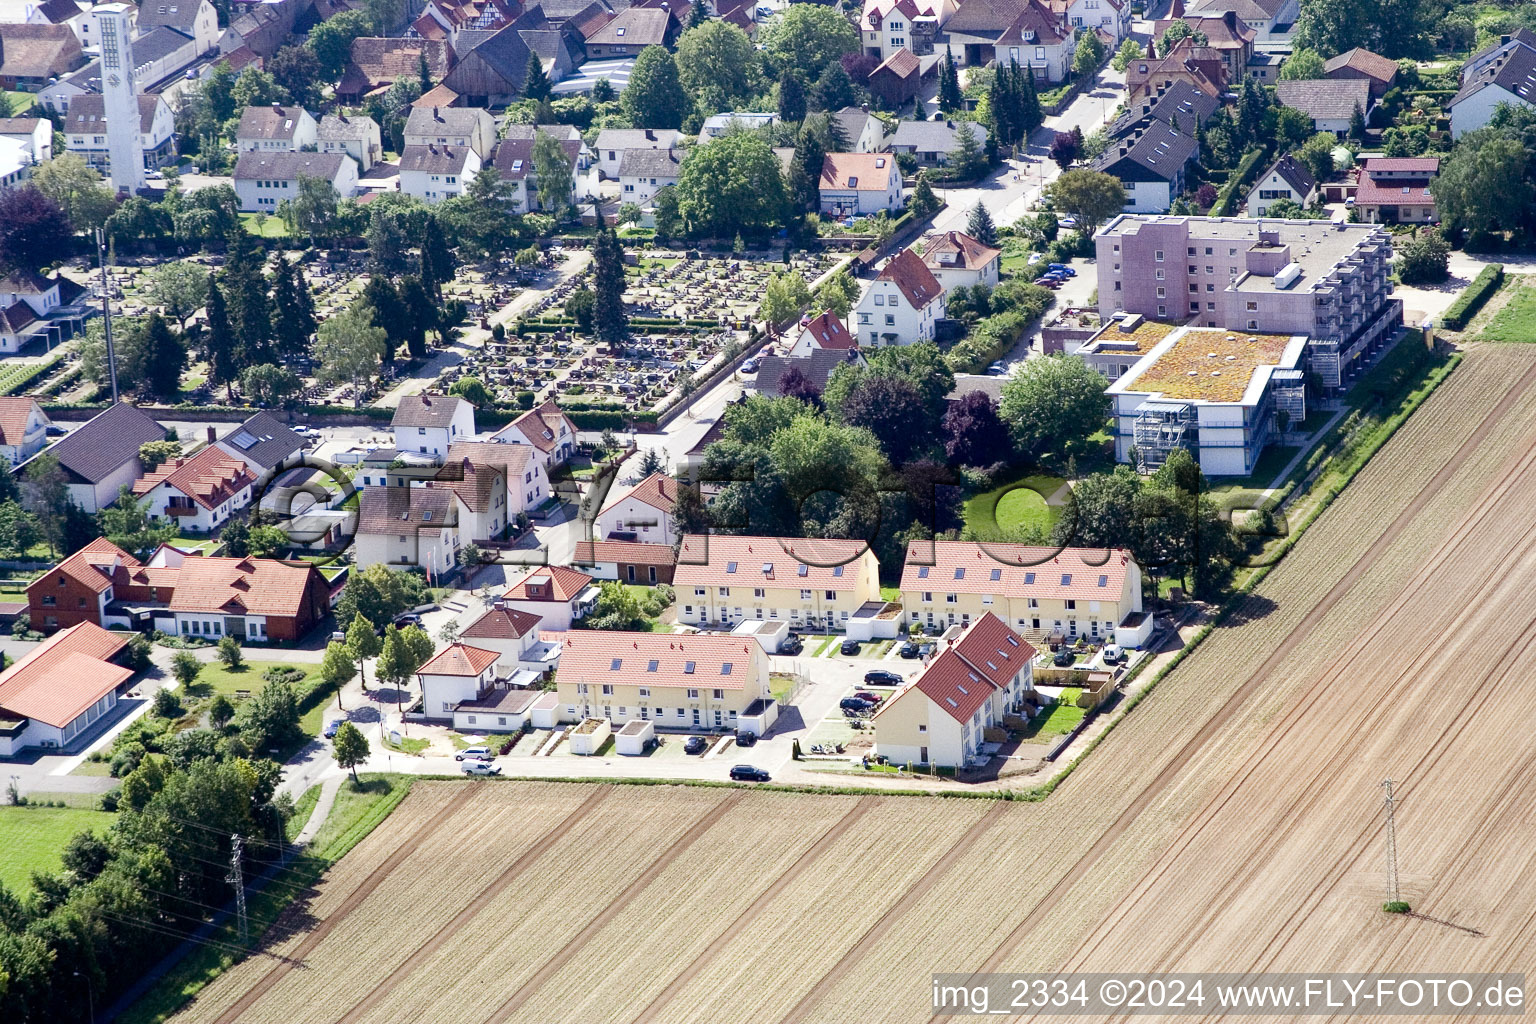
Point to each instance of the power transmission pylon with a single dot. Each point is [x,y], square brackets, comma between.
[1392,890]
[237,879]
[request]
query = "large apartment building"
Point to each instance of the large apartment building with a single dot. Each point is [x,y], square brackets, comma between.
[813,584]
[1327,281]
[676,681]
[1039,591]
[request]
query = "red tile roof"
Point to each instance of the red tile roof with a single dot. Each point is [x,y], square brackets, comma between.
[458,660]
[501,624]
[1017,570]
[541,425]
[1364,61]
[657,490]
[564,584]
[964,675]
[210,478]
[861,172]
[1407,185]
[915,281]
[14,414]
[624,552]
[62,678]
[659,659]
[255,586]
[93,566]
[828,331]
[968,252]
[1401,164]
[903,64]
[827,564]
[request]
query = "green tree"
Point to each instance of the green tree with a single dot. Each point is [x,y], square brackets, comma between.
[126,524]
[553,168]
[1302,64]
[804,185]
[1053,404]
[791,103]
[892,409]
[951,98]
[270,386]
[154,360]
[923,202]
[807,39]
[154,454]
[229,653]
[979,226]
[1317,154]
[654,97]
[1088,55]
[294,321]
[349,348]
[718,66]
[733,185]
[472,390]
[437,265]
[45,494]
[331,40]
[968,160]
[1102,512]
[338,667]
[1292,128]
[1482,186]
[1129,51]
[349,748]
[220,711]
[396,663]
[1424,259]
[665,213]
[78,189]
[838,294]
[609,321]
[245,293]
[297,70]
[185,666]
[270,720]
[19,529]
[535,82]
[1392,28]
[834,90]
[1092,195]
[1357,124]
[268,541]
[363,643]
[785,295]
[179,288]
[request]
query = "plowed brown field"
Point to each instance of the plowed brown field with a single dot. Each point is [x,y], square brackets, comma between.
[1232,822]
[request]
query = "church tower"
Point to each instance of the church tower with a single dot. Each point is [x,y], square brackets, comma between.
[119,95]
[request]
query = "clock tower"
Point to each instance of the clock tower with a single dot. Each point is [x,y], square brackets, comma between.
[119,95]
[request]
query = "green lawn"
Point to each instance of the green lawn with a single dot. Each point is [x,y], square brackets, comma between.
[273,228]
[1014,510]
[1517,320]
[15,104]
[1057,720]
[889,594]
[35,839]
[355,813]
[1274,459]
[779,684]
[216,678]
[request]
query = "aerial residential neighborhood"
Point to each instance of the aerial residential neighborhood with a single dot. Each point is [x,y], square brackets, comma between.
[763,511]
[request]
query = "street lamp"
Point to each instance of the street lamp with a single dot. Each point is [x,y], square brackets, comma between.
[90,997]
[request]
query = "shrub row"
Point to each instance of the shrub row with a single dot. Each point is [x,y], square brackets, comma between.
[1247,167]
[22,376]
[613,418]
[995,335]
[1472,297]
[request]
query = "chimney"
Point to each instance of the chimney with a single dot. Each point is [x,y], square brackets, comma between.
[435,115]
[277,108]
[650,136]
[212,436]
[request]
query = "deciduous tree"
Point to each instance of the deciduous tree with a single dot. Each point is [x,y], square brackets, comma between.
[654,97]
[1053,404]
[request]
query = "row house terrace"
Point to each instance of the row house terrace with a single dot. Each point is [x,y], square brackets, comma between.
[724,580]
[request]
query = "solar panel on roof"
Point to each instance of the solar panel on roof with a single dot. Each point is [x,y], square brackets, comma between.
[243,440]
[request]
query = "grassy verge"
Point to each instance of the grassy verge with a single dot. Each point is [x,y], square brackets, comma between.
[1516,322]
[355,813]
[1060,719]
[302,809]
[35,838]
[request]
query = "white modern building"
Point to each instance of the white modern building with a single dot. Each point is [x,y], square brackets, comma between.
[121,104]
[902,306]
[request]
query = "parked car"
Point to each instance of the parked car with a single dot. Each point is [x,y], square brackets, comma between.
[1035,257]
[340,636]
[882,677]
[408,619]
[1068,221]
[750,366]
[873,698]
[746,739]
[927,648]
[1113,654]
[792,644]
[997,370]
[747,773]
[850,647]
[854,704]
[909,649]
[331,727]
[1062,268]
[1063,659]
[1047,282]
[695,745]
[481,768]
[473,754]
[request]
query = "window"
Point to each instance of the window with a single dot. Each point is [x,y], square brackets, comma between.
[718,694]
[1158,255]
[693,694]
[805,595]
[951,598]
[831,595]
[607,689]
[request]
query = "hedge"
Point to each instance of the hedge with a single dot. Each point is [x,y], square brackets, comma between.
[21,376]
[612,418]
[1472,297]
[995,335]
[1247,167]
